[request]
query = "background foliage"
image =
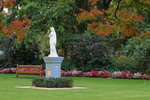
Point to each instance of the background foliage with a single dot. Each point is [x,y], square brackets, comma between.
[91,53]
[122,26]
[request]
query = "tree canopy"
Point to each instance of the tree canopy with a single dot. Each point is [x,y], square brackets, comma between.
[16,27]
[107,17]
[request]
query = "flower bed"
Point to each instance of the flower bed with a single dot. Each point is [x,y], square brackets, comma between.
[8,70]
[13,70]
[106,74]
[101,74]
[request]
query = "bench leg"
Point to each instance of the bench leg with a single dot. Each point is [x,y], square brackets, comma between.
[40,74]
[16,75]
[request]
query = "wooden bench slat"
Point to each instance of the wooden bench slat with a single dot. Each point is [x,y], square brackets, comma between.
[27,73]
[29,66]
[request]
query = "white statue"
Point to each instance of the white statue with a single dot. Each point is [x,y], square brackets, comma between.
[52,42]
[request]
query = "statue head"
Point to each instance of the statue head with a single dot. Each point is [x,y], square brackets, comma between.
[52,29]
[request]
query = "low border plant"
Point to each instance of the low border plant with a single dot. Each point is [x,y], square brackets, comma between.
[53,82]
[94,73]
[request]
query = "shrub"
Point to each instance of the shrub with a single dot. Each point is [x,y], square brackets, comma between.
[87,74]
[71,73]
[104,74]
[137,75]
[89,52]
[7,70]
[95,73]
[1,55]
[22,54]
[144,76]
[77,73]
[49,82]
[115,74]
[43,72]
[124,63]
[139,49]
[38,82]
[63,73]
[13,70]
[64,82]
[53,82]
[67,65]
[125,75]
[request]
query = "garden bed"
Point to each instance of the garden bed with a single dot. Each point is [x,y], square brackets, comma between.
[98,74]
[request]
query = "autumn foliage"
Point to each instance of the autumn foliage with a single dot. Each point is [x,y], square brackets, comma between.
[104,22]
[16,27]
[7,3]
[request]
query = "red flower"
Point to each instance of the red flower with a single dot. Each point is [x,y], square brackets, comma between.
[94,73]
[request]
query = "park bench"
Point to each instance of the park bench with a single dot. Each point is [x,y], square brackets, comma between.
[29,69]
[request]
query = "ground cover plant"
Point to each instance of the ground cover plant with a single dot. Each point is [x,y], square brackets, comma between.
[52,82]
[98,89]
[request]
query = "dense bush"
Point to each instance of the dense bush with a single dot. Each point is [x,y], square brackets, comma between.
[19,54]
[67,65]
[139,49]
[124,63]
[1,55]
[38,82]
[53,82]
[89,52]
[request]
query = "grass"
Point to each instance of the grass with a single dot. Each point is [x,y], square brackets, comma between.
[98,89]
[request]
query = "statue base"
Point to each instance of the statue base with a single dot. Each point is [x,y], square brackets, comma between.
[53,66]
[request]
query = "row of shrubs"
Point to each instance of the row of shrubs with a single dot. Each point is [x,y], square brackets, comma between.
[52,82]
[102,74]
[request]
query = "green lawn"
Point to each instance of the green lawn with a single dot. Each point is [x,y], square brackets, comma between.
[98,89]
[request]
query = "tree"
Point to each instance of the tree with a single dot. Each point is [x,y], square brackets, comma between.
[110,17]
[139,49]
[16,27]
[46,14]
[18,53]
[117,20]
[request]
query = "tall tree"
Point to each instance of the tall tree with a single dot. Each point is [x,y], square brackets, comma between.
[16,27]
[110,16]
[45,14]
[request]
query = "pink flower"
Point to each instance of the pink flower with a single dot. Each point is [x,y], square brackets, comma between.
[121,75]
[129,75]
[69,73]
[43,72]
[104,74]
[144,76]
[78,73]
[63,73]
[87,74]
[6,70]
[94,73]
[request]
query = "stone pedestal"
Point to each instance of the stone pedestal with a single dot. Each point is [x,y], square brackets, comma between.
[53,66]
